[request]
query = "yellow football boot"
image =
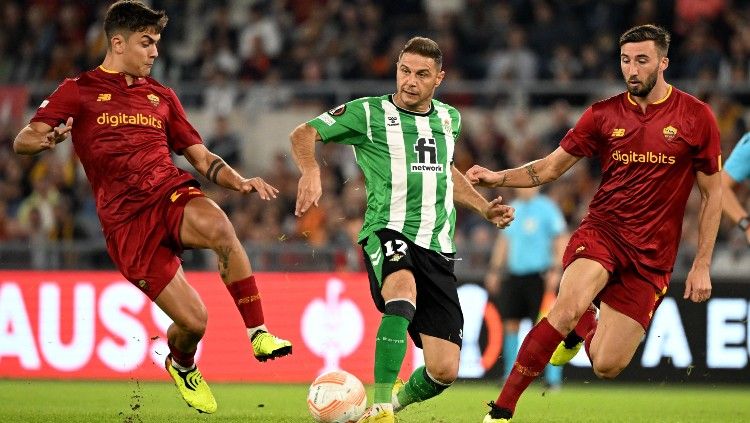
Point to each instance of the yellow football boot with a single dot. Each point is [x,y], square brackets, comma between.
[496,414]
[192,387]
[397,386]
[563,354]
[378,413]
[267,346]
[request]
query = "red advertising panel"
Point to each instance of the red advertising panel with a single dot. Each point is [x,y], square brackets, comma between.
[96,325]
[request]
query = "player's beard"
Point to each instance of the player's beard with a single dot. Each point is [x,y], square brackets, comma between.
[645,87]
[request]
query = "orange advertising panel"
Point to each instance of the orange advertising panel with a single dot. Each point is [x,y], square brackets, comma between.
[96,325]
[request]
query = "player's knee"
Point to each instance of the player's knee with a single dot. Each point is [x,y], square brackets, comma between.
[196,324]
[564,318]
[607,369]
[443,373]
[219,230]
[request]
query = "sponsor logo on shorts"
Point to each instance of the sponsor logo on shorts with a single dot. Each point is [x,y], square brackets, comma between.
[579,249]
[143,284]
[396,257]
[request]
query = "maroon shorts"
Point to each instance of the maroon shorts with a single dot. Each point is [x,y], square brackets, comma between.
[147,249]
[633,289]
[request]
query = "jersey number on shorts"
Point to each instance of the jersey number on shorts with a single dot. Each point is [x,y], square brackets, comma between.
[400,247]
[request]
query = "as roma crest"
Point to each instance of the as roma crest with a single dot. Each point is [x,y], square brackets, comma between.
[669,132]
[153,99]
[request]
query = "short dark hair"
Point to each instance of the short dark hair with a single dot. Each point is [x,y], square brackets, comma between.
[424,47]
[648,32]
[132,16]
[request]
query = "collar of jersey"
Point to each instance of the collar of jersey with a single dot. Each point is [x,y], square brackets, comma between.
[427,113]
[120,75]
[655,103]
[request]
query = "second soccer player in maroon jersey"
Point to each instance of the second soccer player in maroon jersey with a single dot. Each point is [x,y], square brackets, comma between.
[124,125]
[654,142]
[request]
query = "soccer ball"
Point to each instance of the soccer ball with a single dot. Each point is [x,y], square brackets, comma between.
[337,397]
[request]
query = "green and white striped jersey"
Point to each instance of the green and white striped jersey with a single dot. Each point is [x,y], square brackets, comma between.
[406,158]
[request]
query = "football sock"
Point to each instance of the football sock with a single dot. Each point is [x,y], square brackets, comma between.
[583,327]
[181,360]
[533,356]
[587,343]
[390,346]
[419,387]
[247,299]
[510,350]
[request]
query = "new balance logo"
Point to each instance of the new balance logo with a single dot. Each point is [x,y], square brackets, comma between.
[396,257]
[618,132]
[104,97]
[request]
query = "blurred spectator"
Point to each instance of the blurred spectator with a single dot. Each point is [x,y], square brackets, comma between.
[225,143]
[516,62]
[260,31]
[559,125]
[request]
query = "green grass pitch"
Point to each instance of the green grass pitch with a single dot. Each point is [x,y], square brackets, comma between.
[130,402]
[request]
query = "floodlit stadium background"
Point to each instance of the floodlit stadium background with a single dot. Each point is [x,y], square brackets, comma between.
[248,72]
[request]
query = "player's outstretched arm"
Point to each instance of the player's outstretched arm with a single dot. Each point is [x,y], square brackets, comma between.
[38,136]
[465,194]
[531,174]
[215,169]
[309,188]
[698,283]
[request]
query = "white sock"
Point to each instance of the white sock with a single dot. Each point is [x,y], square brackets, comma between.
[180,368]
[251,331]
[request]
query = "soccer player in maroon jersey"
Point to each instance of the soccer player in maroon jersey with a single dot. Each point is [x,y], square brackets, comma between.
[123,125]
[653,141]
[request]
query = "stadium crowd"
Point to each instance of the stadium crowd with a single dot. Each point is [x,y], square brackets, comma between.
[46,198]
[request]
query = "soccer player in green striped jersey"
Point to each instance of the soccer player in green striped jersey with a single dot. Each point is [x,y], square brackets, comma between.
[404,143]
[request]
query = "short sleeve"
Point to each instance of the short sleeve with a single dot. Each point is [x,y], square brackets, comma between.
[180,133]
[707,158]
[583,139]
[345,124]
[738,163]
[63,103]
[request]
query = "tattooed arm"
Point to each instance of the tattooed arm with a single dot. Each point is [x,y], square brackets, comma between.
[216,170]
[531,174]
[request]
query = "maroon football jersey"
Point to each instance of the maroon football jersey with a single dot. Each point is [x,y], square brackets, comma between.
[123,136]
[649,162]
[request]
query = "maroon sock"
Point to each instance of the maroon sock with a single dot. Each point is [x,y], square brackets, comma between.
[184,359]
[535,352]
[247,299]
[586,323]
